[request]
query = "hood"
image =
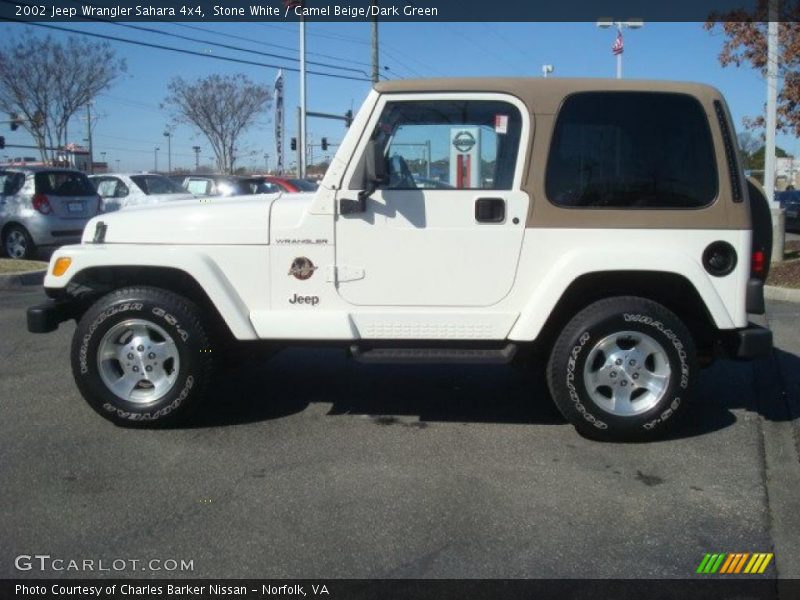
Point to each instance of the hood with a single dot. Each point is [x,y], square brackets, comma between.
[113,204]
[216,220]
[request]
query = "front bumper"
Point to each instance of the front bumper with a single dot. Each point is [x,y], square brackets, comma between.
[46,317]
[753,341]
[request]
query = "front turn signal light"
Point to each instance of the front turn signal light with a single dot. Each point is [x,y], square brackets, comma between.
[61,266]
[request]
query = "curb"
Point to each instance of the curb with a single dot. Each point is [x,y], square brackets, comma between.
[782,294]
[27,279]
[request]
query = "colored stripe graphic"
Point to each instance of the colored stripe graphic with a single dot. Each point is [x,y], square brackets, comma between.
[703,563]
[740,564]
[727,564]
[764,564]
[714,563]
[734,563]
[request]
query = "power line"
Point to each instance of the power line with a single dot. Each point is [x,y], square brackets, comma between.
[226,46]
[178,50]
[267,44]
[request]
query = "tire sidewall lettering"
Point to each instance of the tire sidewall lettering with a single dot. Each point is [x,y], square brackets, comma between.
[102,399]
[572,389]
[667,407]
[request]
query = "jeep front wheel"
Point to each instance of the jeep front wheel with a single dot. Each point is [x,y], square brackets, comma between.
[622,369]
[140,356]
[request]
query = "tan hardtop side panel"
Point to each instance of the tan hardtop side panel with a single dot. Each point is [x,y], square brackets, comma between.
[543,97]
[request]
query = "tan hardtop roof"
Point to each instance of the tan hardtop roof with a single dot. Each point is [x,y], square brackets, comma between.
[544,91]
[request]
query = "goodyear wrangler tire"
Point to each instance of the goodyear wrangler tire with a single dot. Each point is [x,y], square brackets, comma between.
[140,357]
[622,369]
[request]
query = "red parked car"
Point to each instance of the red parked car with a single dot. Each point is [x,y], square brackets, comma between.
[292,186]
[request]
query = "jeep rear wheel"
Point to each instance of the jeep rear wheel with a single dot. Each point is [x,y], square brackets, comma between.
[622,369]
[140,356]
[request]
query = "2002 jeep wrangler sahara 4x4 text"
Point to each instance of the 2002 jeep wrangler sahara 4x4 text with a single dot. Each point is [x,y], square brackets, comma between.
[605,223]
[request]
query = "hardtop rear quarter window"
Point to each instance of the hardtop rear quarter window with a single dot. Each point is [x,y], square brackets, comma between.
[631,150]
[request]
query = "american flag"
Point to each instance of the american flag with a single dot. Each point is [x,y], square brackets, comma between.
[618,47]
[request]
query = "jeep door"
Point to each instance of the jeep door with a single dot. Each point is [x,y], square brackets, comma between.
[446,228]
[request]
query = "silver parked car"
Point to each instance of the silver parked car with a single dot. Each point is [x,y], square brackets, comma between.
[43,206]
[121,190]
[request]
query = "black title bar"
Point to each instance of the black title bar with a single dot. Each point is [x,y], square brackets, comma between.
[412,11]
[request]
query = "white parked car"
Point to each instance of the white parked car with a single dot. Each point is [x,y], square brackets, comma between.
[121,190]
[605,224]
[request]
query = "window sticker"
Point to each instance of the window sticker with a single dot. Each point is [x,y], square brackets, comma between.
[501,124]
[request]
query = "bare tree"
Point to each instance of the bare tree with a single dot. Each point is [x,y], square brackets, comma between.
[221,107]
[46,82]
[749,143]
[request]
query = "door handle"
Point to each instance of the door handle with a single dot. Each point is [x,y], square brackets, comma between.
[490,210]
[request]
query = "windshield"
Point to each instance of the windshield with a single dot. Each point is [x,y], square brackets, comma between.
[156,184]
[63,183]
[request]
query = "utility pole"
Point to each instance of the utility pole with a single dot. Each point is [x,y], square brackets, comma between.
[196,158]
[301,138]
[375,54]
[89,135]
[778,216]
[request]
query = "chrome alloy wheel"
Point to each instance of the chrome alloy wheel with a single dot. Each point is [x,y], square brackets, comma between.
[138,361]
[16,244]
[627,373]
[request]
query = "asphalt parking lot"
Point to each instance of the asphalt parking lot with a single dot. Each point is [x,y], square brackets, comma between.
[313,466]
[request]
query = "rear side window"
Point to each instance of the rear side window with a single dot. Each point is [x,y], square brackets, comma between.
[63,183]
[633,150]
[11,182]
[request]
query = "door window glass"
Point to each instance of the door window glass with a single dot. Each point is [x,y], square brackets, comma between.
[450,144]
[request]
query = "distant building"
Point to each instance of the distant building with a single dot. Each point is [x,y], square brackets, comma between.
[787,172]
[71,156]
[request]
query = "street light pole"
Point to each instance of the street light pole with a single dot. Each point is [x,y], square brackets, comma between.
[301,138]
[266,162]
[155,158]
[619,25]
[196,158]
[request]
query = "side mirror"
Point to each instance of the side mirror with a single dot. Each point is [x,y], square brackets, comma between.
[375,173]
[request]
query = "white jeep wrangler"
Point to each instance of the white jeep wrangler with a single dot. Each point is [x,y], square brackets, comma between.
[606,224]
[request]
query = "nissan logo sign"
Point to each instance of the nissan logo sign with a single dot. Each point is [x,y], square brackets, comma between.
[464,141]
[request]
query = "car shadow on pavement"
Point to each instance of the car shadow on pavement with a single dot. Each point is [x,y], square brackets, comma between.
[296,379]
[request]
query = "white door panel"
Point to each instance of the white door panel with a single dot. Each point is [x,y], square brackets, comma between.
[420,242]
[425,248]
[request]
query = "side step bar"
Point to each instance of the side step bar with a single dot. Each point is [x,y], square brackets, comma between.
[434,355]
